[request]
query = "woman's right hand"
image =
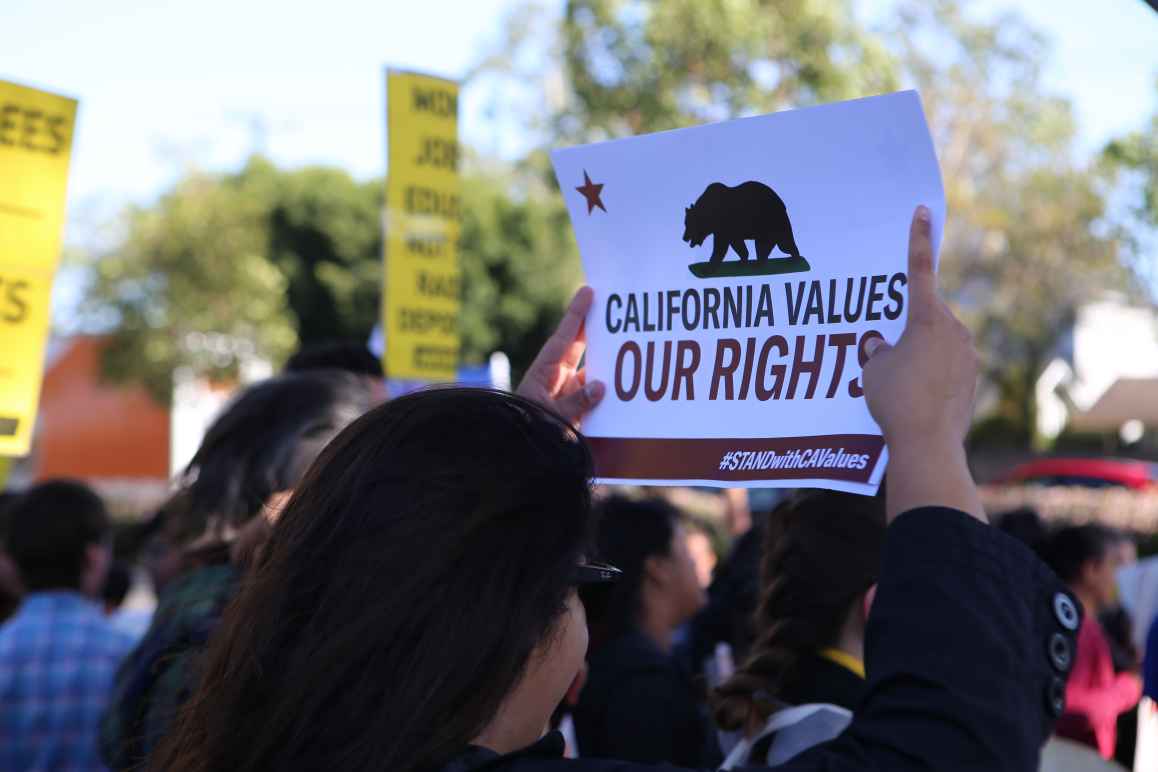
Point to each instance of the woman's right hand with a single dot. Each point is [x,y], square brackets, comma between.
[921,390]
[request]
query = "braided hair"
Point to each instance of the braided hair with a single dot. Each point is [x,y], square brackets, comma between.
[821,553]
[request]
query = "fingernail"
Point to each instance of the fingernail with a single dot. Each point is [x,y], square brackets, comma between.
[593,391]
[923,213]
[872,344]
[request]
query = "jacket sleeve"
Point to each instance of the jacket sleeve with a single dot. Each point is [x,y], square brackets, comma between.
[967,649]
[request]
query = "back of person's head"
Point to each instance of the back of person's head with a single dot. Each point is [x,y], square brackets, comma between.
[56,536]
[1025,525]
[1082,557]
[11,586]
[350,357]
[116,587]
[822,554]
[1074,546]
[424,559]
[643,538]
[262,444]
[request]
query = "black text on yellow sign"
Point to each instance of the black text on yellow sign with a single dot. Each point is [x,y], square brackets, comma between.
[422,279]
[36,131]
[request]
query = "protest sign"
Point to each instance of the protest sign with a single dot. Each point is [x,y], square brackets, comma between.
[422,280]
[35,144]
[739,269]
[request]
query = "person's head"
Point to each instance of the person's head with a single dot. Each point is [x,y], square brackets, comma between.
[11,586]
[261,445]
[1025,525]
[116,587]
[659,589]
[1125,551]
[345,356]
[416,595]
[822,555]
[703,553]
[1085,558]
[58,536]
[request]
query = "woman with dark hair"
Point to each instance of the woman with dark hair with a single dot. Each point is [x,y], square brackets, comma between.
[254,452]
[639,704]
[805,674]
[416,608]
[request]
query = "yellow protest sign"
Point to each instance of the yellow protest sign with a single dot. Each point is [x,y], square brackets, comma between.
[422,278]
[36,131]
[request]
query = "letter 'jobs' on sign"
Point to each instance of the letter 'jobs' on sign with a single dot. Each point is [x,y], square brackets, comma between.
[739,269]
[35,144]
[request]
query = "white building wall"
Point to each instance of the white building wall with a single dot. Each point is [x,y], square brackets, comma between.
[1110,340]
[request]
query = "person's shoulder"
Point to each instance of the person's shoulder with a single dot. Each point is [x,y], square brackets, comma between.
[533,764]
[100,637]
[197,593]
[632,652]
[13,634]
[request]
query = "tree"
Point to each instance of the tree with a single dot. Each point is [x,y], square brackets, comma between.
[323,231]
[254,262]
[519,259]
[1027,242]
[190,286]
[625,67]
[1132,162]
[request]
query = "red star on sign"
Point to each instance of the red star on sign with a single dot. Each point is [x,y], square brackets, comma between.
[590,192]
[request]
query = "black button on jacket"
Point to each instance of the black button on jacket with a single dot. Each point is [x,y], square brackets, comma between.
[957,653]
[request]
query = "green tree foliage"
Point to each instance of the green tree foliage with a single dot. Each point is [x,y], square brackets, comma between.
[1027,240]
[191,286]
[1132,164]
[1138,152]
[322,230]
[634,66]
[519,259]
[255,262]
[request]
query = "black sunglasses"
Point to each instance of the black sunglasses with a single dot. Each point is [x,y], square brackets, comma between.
[596,573]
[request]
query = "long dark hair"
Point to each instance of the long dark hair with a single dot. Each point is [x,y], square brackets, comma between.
[822,551]
[262,443]
[629,531]
[428,551]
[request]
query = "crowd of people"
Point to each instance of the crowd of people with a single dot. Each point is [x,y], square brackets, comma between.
[430,583]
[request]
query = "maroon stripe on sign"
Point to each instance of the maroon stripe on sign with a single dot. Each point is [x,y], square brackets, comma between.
[826,457]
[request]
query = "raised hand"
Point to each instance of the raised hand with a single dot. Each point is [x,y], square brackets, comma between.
[921,393]
[555,378]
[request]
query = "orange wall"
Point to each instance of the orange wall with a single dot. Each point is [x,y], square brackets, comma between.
[93,430]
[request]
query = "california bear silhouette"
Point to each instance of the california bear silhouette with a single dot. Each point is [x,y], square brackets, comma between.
[749,211]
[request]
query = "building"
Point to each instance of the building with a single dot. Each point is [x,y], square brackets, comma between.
[1104,378]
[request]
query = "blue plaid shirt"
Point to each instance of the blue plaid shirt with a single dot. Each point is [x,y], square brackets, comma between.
[58,656]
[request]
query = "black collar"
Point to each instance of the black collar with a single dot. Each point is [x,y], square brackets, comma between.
[550,746]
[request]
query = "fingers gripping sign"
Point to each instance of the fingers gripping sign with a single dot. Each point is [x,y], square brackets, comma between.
[921,390]
[555,378]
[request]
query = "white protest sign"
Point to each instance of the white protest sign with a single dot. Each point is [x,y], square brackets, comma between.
[738,270]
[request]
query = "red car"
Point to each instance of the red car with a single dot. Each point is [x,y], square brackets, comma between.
[1086,472]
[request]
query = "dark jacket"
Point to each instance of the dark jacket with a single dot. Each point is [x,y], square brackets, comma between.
[967,649]
[639,705]
[158,677]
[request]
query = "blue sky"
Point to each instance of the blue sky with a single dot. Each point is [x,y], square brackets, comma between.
[167,84]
